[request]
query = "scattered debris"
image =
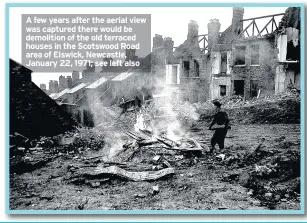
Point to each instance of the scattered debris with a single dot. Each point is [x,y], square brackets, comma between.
[260,170]
[268,168]
[82,204]
[221,157]
[140,195]
[47,195]
[155,190]
[156,159]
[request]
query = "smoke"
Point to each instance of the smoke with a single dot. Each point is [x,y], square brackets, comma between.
[140,123]
[181,114]
[105,119]
[173,124]
[115,142]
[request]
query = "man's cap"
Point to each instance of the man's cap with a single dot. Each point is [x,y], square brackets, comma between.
[217,103]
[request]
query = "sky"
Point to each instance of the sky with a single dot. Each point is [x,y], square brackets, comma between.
[166,21]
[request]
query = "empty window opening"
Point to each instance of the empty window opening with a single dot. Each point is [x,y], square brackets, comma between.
[223,62]
[222,90]
[238,87]
[293,50]
[240,55]
[254,88]
[186,68]
[255,55]
[196,68]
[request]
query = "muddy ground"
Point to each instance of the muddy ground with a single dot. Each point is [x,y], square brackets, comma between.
[200,182]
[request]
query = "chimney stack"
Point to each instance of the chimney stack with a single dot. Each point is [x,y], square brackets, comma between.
[193,31]
[213,32]
[157,42]
[237,24]
[168,45]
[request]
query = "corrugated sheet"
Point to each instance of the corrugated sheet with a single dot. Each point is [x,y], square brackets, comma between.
[77,88]
[55,96]
[122,76]
[97,83]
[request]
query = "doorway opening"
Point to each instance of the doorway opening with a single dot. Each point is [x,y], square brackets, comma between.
[238,87]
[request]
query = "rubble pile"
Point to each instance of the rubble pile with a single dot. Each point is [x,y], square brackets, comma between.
[86,138]
[278,180]
[281,108]
[272,176]
[237,101]
[145,157]
[27,155]
[131,147]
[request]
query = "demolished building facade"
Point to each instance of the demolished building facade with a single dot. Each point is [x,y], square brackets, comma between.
[242,60]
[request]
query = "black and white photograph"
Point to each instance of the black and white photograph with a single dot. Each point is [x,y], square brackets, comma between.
[155,109]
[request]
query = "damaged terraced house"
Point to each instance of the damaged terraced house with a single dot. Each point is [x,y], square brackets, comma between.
[84,97]
[253,57]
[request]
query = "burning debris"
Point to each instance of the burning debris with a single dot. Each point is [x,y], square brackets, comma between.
[164,156]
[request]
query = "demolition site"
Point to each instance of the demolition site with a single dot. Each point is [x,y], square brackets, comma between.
[142,138]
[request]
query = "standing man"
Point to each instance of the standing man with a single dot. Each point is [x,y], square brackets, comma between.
[221,119]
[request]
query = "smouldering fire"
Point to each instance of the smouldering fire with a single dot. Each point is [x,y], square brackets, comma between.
[140,123]
[172,131]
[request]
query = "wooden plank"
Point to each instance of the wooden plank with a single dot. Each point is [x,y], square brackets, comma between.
[147,143]
[201,40]
[127,154]
[207,149]
[261,17]
[197,144]
[184,149]
[256,27]
[148,133]
[247,33]
[243,31]
[137,138]
[265,27]
[133,176]
[275,23]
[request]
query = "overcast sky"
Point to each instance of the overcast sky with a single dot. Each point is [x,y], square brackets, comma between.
[166,21]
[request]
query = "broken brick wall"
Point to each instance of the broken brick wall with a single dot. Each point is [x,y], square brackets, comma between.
[287,75]
[194,87]
[194,83]
[261,74]
[219,74]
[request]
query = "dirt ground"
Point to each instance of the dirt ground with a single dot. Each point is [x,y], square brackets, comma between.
[202,182]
